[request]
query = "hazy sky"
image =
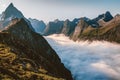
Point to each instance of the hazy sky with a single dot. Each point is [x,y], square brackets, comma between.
[49,10]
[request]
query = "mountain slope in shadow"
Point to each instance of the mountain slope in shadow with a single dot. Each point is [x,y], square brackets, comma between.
[25,54]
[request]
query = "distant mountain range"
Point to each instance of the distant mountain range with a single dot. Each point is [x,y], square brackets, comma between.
[54,27]
[104,27]
[79,29]
[109,31]
[25,54]
[39,26]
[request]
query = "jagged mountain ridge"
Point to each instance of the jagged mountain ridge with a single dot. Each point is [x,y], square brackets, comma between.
[69,26]
[104,27]
[53,27]
[39,26]
[110,31]
[81,26]
[29,51]
[57,27]
[10,13]
[66,27]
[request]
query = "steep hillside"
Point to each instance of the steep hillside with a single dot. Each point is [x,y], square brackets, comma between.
[39,26]
[81,26]
[25,54]
[68,27]
[110,31]
[11,12]
[54,27]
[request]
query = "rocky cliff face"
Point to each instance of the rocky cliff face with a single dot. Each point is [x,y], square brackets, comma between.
[106,17]
[25,54]
[39,26]
[54,27]
[65,27]
[81,26]
[68,27]
[103,27]
[10,13]
[110,31]
[95,22]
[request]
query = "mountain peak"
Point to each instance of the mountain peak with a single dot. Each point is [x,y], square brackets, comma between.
[11,5]
[107,16]
[11,12]
[107,12]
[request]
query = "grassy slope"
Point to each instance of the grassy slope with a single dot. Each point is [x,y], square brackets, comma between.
[109,32]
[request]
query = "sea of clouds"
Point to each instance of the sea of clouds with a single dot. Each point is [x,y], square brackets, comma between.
[97,60]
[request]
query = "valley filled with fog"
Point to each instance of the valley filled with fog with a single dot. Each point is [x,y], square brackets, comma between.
[95,60]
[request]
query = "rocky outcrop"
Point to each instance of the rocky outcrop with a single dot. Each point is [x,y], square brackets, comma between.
[25,54]
[107,28]
[39,26]
[95,22]
[65,27]
[107,16]
[10,13]
[54,27]
[81,26]
[68,27]
[109,31]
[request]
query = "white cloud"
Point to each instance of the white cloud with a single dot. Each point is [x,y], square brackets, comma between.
[88,61]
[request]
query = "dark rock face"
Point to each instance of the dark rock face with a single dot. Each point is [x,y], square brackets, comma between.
[39,26]
[57,27]
[109,32]
[107,16]
[68,27]
[76,20]
[53,27]
[104,27]
[81,26]
[27,55]
[10,13]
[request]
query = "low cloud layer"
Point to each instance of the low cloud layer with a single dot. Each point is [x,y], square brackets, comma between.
[88,61]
